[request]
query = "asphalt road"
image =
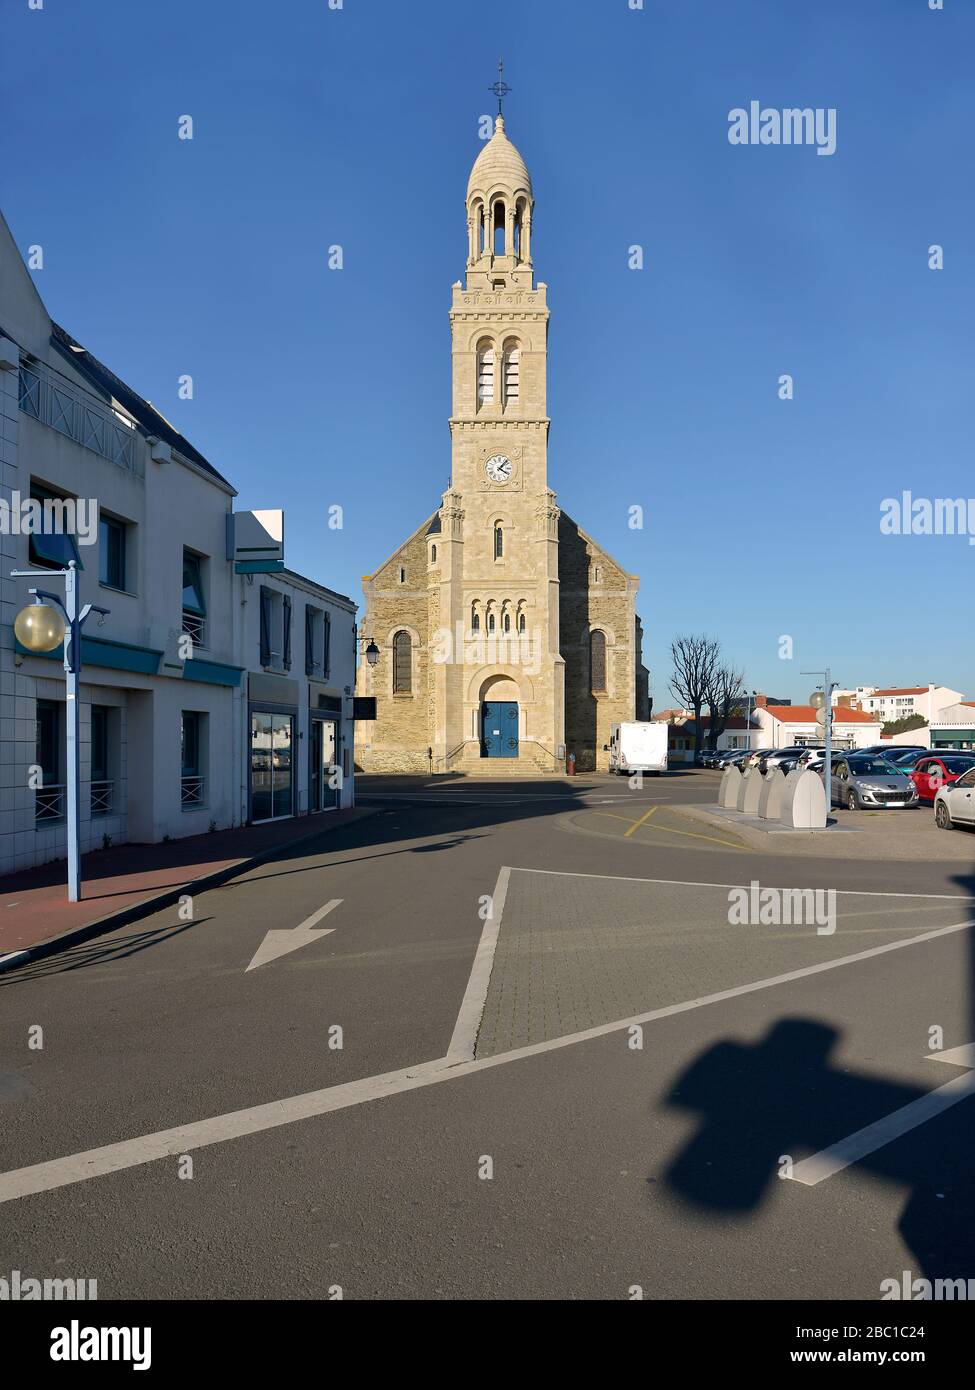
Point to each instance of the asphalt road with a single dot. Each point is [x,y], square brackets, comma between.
[594,1086]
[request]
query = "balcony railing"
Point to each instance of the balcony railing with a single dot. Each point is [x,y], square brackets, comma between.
[195,627]
[49,804]
[101,798]
[191,792]
[52,400]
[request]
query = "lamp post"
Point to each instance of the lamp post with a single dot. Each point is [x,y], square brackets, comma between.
[40,628]
[822,702]
[748,721]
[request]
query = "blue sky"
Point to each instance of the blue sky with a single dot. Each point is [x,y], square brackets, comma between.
[358,127]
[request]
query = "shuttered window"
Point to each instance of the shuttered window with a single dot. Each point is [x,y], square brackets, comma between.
[402,664]
[485,376]
[511,373]
[597,663]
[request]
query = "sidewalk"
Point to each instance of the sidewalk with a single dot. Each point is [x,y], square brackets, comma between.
[128,881]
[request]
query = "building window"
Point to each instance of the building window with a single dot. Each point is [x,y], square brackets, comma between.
[49,802]
[101,787]
[194,602]
[275,634]
[111,552]
[433,554]
[597,663]
[511,374]
[485,375]
[54,545]
[193,784]
[490,622]
[521,622]
[317,642]
[475,621]
[506,622]
[402,664]
[402,575]
[498,542]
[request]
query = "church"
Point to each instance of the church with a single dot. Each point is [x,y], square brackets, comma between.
[499,638]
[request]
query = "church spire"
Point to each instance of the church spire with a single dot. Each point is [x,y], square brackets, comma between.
[499,210]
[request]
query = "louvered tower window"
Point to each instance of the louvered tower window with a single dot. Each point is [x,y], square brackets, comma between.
[485,376]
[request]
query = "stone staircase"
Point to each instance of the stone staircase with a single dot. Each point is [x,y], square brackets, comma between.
[532,761]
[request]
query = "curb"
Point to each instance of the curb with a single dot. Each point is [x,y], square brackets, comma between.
[74,936]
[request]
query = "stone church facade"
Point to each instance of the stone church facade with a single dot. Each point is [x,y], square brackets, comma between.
[508,638]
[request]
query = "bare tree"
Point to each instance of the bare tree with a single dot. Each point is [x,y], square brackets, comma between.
[723,695]
[695,659]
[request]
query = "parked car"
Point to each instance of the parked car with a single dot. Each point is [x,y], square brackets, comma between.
[727,756]
[932,772]
[813,758]
[903,758]
[752,758]
[708,757]
[955,804]
[885,750]
[864,782]
[775,757]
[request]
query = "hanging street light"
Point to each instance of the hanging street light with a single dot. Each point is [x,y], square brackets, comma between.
[39,628]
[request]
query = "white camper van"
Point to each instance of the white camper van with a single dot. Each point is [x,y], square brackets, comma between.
[638,747]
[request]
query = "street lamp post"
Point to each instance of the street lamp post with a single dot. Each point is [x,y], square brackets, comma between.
[823,700]
[42,634]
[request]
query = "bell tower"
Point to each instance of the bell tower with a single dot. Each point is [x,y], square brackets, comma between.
[499,558]
[499,328]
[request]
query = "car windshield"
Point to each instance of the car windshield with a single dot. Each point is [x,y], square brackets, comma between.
[862,766]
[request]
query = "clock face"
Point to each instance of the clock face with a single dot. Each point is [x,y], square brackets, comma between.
[498,468]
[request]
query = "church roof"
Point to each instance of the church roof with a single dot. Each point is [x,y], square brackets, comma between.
[499,163]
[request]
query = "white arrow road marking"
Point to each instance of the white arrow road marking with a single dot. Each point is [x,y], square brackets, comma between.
[811,1171]
[279,943]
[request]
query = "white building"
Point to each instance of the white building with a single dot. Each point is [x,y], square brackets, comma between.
[853,698]
[299,646]
[782,726]
[167,733]
[899,702]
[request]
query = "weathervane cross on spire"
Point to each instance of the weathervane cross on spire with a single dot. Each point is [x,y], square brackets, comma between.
[500,88]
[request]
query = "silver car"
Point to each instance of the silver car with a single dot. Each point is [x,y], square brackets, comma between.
[863,782]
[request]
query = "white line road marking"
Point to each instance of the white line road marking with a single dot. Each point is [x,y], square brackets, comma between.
[131,1153]
[818,1167]
[464,1036]
[279,942]
[696,883]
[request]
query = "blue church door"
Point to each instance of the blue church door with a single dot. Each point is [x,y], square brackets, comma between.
[499,729]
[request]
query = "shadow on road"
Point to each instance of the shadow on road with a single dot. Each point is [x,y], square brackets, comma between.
[759,1103]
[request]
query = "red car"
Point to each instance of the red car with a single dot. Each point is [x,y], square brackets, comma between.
[931,773]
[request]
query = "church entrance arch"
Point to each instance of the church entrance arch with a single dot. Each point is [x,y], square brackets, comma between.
[499,717]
